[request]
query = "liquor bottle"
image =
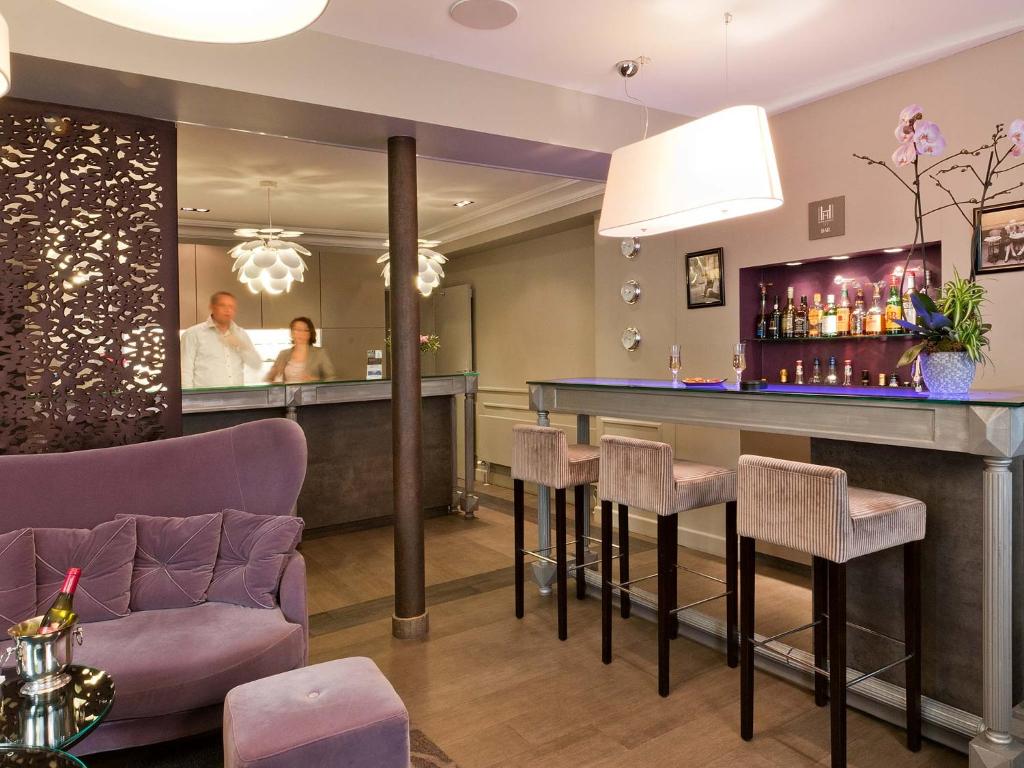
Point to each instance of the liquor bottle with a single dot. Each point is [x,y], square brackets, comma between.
[857,316]
[799,372]
[814,317]
[927,289]
[843,313]
[800,320]
[783,376]
[828,317]
[909,313]
[788,315]
[831,377]
[761,329]
[847,373]
[874,319]
[775,321]
[893,307]
[61,609]
[816,372]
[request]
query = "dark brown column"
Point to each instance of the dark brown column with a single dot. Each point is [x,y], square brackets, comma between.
[410,618]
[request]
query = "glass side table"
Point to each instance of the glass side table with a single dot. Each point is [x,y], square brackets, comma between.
[35,757]
[55,720]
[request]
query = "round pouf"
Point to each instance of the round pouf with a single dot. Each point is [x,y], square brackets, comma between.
[342,714]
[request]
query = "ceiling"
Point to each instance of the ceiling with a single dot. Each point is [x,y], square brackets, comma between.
[781,52]
[339,195]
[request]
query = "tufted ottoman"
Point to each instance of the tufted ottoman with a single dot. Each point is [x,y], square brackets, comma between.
[342,714]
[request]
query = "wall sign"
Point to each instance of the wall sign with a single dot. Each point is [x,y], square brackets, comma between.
[826,218]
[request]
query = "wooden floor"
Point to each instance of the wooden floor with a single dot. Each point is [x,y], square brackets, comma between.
[495,691]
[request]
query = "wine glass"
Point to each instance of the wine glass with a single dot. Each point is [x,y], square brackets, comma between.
[674,364]
[739,361]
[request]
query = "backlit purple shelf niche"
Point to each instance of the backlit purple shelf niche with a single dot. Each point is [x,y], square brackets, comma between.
[766,358]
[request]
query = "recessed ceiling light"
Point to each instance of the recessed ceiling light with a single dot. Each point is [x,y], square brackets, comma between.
[190,209]
[463,203]
[483,14]
[839,258]
[892,250]
[793,263]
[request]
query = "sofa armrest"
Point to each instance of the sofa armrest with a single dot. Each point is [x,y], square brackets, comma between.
[292,596]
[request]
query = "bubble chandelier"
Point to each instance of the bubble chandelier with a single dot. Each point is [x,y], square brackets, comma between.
[430,269]
[268,262]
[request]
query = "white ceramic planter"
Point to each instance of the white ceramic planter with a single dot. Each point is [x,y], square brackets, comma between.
[947,373]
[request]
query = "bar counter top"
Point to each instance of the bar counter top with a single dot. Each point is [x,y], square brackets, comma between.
[282,395]
[983,423]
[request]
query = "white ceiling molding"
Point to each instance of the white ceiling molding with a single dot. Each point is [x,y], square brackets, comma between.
[557,195]
[192,229]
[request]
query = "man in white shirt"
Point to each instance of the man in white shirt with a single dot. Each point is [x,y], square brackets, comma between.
[214,352]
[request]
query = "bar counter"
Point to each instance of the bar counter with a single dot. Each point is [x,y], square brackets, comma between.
[348,431]
[959,455]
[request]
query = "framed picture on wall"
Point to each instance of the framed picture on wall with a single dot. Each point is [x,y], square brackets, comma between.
[705,286]
[1000,231]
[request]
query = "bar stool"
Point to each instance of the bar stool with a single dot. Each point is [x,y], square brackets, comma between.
[543,456]
[809,508]
[642,473]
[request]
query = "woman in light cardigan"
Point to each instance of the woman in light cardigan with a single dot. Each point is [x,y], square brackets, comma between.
[302,361]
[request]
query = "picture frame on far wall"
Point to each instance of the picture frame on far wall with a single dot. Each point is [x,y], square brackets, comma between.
[1000,235]
[705,284]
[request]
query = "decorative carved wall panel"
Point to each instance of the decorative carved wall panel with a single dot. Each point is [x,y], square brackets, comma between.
[88,279]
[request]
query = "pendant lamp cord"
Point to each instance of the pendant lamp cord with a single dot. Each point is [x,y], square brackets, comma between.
[643,106]
[728,21]
[270,219]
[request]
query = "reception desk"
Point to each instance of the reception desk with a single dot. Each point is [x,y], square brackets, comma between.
[960,455]
[348,433]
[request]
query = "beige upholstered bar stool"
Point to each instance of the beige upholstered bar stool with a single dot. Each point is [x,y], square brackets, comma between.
[644,474]
[542,455]
[811,509]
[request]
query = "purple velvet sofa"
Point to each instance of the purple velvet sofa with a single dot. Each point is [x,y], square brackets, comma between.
[172,668]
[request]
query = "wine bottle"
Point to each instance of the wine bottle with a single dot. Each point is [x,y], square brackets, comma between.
[909,313]
[788,315]
[828,317]
[874,320]
[61,609]
[814,317]
[857,316]
[893,306]
[800,319]
[761,329]
[775,321]
[843,313]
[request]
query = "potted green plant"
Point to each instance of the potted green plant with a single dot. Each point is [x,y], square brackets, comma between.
[954,336]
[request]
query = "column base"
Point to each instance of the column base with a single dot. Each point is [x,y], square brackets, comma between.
[544,575]
[987,754]
[414,628]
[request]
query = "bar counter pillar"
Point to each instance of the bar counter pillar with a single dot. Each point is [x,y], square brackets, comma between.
[995,746]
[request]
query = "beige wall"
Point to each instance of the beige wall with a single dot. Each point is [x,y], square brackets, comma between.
[343,294]
[965,94]
[533,318]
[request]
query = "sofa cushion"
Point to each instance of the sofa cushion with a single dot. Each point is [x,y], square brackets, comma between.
[174,560]
[253,551]
[105,554]
[17,577]
[179,659]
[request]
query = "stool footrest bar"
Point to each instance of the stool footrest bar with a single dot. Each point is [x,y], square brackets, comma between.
[700,573]
[880,670]
[787,658]
[699,602]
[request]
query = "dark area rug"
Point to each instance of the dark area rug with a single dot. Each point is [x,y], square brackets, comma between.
[206,751]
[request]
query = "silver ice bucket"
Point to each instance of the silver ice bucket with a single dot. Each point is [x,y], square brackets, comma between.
[43,659]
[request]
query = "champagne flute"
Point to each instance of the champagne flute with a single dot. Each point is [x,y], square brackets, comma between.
[739,361]
[674,364]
